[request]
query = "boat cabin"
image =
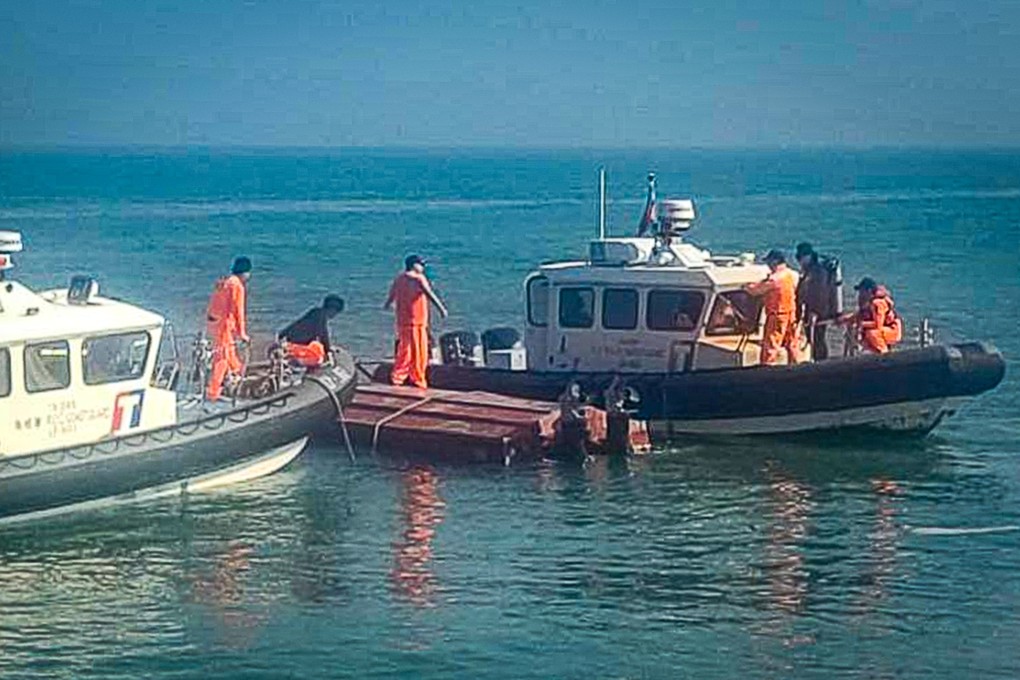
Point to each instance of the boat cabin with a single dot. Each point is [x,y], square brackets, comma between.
[648,304]
[75,368]
[643,305]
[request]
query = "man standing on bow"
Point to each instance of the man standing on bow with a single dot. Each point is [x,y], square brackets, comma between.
[226,323]
[412,293]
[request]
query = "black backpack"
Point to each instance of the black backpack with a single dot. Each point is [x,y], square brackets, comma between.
[832,267]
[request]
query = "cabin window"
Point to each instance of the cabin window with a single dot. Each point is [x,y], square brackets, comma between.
[734,313]
[674,310]
[577,307]
[619,309]
[47,366]
[5,372]
[538,301]
[114,358]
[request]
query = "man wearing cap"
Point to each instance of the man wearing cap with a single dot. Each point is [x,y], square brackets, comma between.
[880,326]
[779,291]
[307,339]
[819,296]
[226,323]
[412,293]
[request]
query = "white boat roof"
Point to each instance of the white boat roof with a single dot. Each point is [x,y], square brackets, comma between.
[26,316]
[641,261]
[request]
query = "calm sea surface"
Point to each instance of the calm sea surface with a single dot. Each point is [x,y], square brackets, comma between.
[822,558]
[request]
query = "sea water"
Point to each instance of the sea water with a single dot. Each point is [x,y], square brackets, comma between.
[709,559]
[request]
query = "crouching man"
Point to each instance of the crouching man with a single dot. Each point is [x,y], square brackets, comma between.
[876,318]
[306,341]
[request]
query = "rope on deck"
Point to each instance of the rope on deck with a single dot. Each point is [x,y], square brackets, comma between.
[393,416]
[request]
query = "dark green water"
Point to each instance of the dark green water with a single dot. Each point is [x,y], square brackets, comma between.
[707,559]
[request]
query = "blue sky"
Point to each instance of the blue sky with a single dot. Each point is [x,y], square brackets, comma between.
[568,74]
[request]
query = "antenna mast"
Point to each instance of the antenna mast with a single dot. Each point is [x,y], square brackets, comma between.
[602,203]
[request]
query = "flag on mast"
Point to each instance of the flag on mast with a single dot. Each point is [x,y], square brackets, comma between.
[650,216]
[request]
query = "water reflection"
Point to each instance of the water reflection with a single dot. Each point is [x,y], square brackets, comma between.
[221,589]
[422,510]
[784,550]
[818,463]
[883,543]
[319,551]
[788,507]
[595,473]
[600,471]
[789,504]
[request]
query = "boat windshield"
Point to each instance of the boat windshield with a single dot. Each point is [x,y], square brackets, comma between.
[734,313]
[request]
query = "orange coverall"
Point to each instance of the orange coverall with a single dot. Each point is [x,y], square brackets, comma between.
[225,324]
[780,293]
[880,326]
[412,357]
[310,355]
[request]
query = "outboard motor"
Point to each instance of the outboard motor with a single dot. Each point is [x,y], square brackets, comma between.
[572,427]
[502,348]
[621,403]
[458,348]
[500,338]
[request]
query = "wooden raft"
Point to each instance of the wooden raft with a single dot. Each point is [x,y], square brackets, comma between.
[454,426]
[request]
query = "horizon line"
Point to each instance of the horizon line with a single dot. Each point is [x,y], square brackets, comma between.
[638,148]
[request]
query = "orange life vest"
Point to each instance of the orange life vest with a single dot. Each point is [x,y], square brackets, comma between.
[880,309]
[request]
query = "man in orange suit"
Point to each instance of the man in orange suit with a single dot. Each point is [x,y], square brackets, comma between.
[876,318]
[226,323]
[779,291]
[412,293]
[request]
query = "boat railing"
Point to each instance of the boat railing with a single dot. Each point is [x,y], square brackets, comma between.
[185,371]
[920,336]
[167,369]
[926,333]
[185,365]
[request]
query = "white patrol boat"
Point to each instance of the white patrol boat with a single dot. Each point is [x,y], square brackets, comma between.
[671,324]
[90,415]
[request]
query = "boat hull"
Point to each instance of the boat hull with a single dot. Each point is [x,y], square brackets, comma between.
[910,390]
[911,417]
[227,447]
[250,468]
